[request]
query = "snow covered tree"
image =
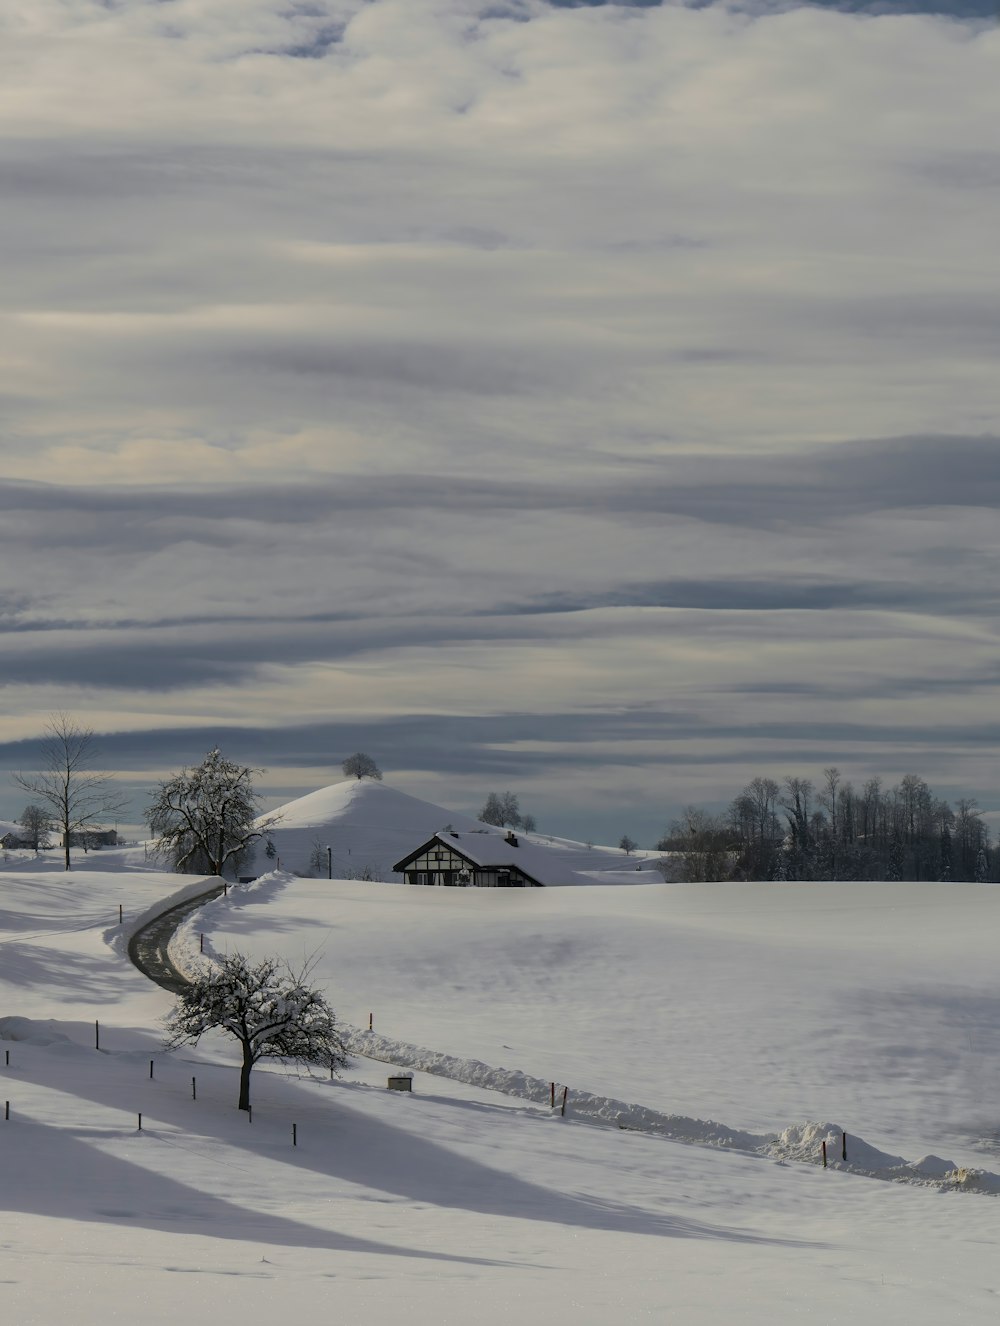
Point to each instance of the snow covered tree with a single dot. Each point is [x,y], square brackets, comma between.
[529,824]
[36,824]
[77,796]
[206,818]
[492,811]
[360,765]
[500,809]
[266,1007]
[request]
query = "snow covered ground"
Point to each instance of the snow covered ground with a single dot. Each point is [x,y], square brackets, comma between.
[757,1006]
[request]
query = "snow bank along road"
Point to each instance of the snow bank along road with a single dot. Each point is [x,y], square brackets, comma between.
[166,950]
[149,946]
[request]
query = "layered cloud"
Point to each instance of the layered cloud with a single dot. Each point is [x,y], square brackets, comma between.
[609,390]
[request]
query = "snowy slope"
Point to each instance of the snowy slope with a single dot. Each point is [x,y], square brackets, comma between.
[459,1204]
[759,1005]
[369,826]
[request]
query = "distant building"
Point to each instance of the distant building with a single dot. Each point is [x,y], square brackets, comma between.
[14,841]
[93,839]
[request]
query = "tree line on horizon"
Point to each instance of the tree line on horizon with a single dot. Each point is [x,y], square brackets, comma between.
[798,829]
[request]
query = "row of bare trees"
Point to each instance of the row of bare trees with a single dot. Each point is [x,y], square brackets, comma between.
[830,829]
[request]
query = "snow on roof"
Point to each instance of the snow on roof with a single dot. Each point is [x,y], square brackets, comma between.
[491,848]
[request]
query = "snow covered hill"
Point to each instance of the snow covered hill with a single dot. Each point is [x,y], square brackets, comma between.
[368,826]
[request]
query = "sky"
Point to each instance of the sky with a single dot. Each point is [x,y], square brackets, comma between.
[596,401]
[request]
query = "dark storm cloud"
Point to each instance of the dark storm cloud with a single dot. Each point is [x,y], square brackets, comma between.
[486,371]
[829,483]
[793,593]
[481,747]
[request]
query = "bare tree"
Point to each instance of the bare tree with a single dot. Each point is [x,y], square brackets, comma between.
[318,860]
[627,844]
[78,797]
[360,765]
[702,841]
[266,1007]
[207,817]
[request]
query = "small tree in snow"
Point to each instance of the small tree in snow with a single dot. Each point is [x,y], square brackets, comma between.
[266,1007]
[360,765]
[627,844]
[502,809]
[318,860]
[36,824]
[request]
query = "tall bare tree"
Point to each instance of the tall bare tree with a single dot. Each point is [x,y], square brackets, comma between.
[78,796]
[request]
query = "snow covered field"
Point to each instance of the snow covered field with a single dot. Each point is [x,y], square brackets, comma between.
[758,1006]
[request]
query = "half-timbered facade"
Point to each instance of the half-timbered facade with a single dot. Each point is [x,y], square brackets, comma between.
[468,860]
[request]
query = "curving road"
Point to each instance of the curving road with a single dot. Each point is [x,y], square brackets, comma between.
[148,947]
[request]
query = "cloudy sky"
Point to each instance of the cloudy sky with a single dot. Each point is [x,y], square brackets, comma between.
[597,401]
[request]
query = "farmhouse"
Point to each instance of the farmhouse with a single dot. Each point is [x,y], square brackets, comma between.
[14,840]
[481,860]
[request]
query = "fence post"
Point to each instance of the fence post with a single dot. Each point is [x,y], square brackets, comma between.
[6,1109]
[194,1089]
[201,942]
[97,1035]
[371,1021]
[295,1134]
[552,1095]
[120,917]
[843,1146]
[150,1070]
[824,1155]
[140,1123]
[565,1094]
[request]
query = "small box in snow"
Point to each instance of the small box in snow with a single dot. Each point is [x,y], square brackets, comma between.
[401,1082]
